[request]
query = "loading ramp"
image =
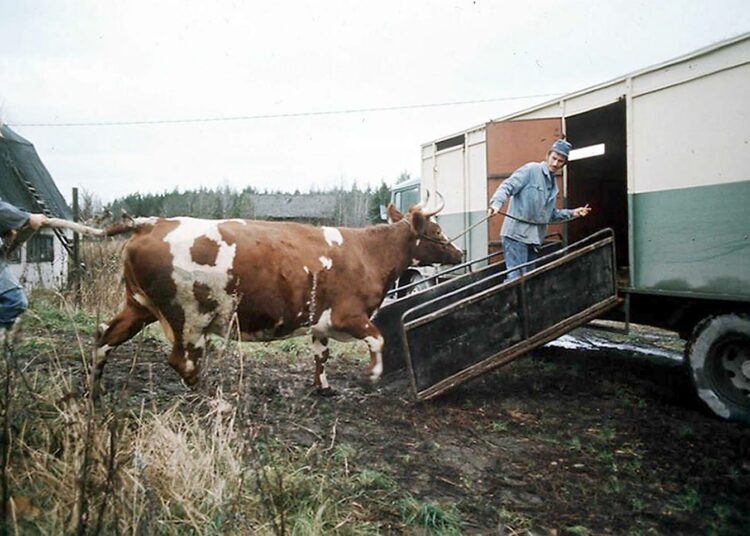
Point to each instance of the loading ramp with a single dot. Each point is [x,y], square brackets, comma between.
[471,324]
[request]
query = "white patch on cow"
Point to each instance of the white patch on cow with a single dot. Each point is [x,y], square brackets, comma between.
[306,269]
[324,328]
[333,236]
[318,348]
[141,299]
[148,220]
[187,272]
[418,240]
[376,347]
[189,366]
[375,343]
[324,381]
[102,351]
[327,262]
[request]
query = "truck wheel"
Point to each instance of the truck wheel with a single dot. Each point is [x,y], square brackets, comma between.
[718,354]
[413,277]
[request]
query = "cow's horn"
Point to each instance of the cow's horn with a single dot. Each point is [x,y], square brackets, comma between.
[422,204]
[441,205]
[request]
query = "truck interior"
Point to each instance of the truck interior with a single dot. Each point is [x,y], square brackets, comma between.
[597,175]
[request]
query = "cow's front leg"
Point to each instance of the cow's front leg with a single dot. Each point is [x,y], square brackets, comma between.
[375,343]
[361,328]
[321,353]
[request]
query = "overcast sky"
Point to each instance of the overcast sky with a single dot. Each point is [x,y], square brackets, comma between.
[103,62]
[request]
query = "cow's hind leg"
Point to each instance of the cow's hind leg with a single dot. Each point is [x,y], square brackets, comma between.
[320,349]
[128,322]
[185,360]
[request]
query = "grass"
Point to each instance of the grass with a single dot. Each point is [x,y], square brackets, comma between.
[429,516]
[193,465]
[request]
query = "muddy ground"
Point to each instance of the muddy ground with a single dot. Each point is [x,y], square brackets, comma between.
[562,441]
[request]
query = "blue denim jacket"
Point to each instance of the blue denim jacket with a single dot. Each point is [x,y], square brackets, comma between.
[10,218]
[533,191]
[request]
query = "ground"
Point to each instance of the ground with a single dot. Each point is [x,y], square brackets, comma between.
[602,440]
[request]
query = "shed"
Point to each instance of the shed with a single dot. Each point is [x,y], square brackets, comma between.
[24,182]
[316,209]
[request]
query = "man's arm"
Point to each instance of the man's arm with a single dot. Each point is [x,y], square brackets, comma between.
[510,186]
[13,218]
[565,214]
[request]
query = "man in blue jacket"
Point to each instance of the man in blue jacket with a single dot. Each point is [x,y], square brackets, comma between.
[12,298]
[533,190]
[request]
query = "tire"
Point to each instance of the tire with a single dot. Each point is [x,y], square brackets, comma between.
[718,355]
[413,277]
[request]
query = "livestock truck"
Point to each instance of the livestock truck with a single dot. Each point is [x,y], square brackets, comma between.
[661,155]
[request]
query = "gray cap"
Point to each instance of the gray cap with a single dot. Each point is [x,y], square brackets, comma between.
[562,147]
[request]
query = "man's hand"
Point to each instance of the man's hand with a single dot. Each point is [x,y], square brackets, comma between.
[36,221]
[580,212]
[492,211]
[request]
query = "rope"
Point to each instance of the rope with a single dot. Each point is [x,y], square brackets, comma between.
[493,214]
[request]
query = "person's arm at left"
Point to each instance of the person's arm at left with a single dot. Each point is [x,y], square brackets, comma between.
[13,218]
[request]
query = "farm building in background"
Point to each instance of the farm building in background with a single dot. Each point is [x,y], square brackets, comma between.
[315,209]
[42,262]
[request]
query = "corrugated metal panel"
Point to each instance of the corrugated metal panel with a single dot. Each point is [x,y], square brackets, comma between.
[19,161]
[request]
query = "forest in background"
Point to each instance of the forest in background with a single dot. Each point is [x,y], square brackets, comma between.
[354,206]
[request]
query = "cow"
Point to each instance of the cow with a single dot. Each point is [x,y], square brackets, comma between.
[281,279]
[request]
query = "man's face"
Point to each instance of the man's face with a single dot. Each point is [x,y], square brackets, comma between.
[555,161]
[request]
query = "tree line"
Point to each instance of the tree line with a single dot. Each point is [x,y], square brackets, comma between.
[354,206]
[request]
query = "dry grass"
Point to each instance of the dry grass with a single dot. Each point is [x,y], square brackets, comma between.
[197,466]
[102,287]
[117,466]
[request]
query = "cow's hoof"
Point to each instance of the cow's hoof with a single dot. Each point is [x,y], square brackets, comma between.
[326,392]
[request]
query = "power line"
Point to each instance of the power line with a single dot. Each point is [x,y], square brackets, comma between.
[276,116]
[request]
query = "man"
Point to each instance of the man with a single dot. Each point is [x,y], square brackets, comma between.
[12,298]
[533,190]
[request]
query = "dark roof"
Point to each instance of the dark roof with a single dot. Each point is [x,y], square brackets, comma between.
[290,207]
[19,165]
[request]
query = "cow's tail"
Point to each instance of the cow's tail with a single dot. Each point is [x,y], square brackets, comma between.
[59,223]
[129,225]
[126,226]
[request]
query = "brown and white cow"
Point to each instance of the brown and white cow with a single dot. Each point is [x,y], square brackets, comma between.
[281,279]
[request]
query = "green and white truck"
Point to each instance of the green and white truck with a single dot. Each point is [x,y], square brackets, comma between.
[662,155]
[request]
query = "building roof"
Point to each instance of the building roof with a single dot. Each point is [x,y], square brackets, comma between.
[21,167]
[294,207]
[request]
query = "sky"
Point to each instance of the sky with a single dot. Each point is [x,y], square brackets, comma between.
[151,96]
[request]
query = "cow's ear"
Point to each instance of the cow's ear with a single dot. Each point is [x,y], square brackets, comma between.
[393,214]
[418,221]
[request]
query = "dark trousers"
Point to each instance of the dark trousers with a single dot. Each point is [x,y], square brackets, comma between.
[518,253]
[12,305]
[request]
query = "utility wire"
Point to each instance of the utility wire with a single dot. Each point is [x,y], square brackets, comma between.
[276,116]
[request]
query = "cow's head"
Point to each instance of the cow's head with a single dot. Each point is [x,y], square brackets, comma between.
[432,246]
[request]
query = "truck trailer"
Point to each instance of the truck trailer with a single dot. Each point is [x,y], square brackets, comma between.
[661,156]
